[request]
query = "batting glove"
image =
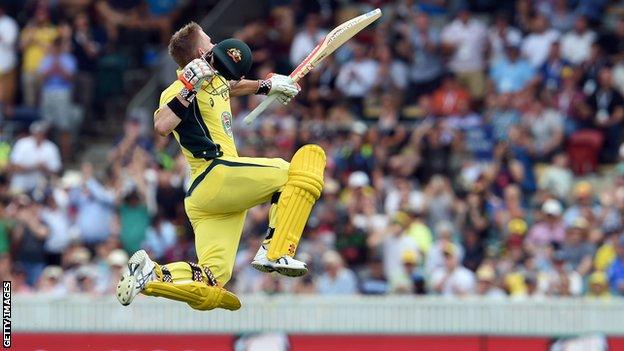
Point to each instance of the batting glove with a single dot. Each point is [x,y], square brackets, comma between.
[195,72]
[282,86]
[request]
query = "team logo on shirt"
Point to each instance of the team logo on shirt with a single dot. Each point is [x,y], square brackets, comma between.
[226,119]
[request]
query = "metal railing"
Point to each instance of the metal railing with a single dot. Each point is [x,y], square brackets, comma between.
[325,314]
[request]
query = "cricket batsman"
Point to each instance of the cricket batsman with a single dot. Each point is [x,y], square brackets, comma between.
[196,109]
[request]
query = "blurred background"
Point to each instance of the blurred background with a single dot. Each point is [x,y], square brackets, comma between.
[475,179]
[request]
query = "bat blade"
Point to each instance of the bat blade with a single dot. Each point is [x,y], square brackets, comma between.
[332,41]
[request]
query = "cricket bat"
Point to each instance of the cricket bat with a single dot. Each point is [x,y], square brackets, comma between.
[332,41]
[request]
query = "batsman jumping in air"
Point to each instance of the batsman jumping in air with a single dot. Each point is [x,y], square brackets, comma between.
[196,109]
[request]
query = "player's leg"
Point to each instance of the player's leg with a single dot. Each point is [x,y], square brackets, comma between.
[302,189]
[181,281]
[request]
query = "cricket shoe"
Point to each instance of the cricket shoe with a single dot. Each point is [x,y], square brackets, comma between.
[284,265]
[140,272]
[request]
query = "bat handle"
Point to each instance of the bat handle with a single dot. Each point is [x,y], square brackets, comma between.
[259,109]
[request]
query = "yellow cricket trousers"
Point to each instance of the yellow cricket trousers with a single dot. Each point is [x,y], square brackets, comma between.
[218,199]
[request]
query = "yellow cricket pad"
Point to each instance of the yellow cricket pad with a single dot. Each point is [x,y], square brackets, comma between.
[197,294]
[302,189]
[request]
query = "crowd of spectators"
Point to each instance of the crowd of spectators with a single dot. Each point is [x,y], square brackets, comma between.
[474,148]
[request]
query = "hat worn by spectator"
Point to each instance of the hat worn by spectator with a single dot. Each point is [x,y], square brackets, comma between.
[117,257]
[598,277]
[358,179]
[39,127]
[331,258]
[579,223]
[486,273]
[552,207]
[517,226]
[52,272]
[409,257]
[582,189]
[80,256]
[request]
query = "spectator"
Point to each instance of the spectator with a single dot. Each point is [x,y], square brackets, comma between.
[576,249]
[35,41]
[599,286]
[426,63]
[452,279]
[561,279]
[373,280]
[552,69]
[576,44]
[486,283]
[57,71]
[546,127]
[159,238]
[357,77]
[57,219]
[466,38]
[134,221]
[607,111]
[511,73]
[28,238]
[336,279]
[450,98]
[34,159]
[51,282]
[502,35]
[8,58]
[306,40]
[616,270]
[550,229]
[557,178]
[536,45]
[94,204]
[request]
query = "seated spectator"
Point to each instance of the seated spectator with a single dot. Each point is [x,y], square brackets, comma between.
[577,250]
[501,115]
[34,159]
[373,281]
[486,283]
[561,279]
[557,178]
[57,219]
[444,239]
[336,279]
[306,40]
[51,282]
[159,238]
[582,204]
[511,73]
[576,44]
[599,286]
[452,279]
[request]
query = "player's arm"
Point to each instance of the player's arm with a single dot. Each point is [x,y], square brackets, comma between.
[176,109]
[283,86]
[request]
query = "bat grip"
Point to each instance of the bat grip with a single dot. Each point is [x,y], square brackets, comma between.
[259,109]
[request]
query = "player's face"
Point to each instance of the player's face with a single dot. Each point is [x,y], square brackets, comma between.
[205,44]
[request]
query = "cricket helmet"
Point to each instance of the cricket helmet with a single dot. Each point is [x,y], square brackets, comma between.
[232,58]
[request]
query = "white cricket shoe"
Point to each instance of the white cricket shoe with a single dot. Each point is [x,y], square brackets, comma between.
[284,265]
[132,282]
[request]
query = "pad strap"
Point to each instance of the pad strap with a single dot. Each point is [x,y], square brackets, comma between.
[166,275]
[197,272]
[212,281]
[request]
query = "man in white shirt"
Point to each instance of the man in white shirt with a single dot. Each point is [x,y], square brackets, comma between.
[576,44]
[357,77]
[306,40]
[536,45]
[33,159]
[453,279]
[466,38]
[8,60]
